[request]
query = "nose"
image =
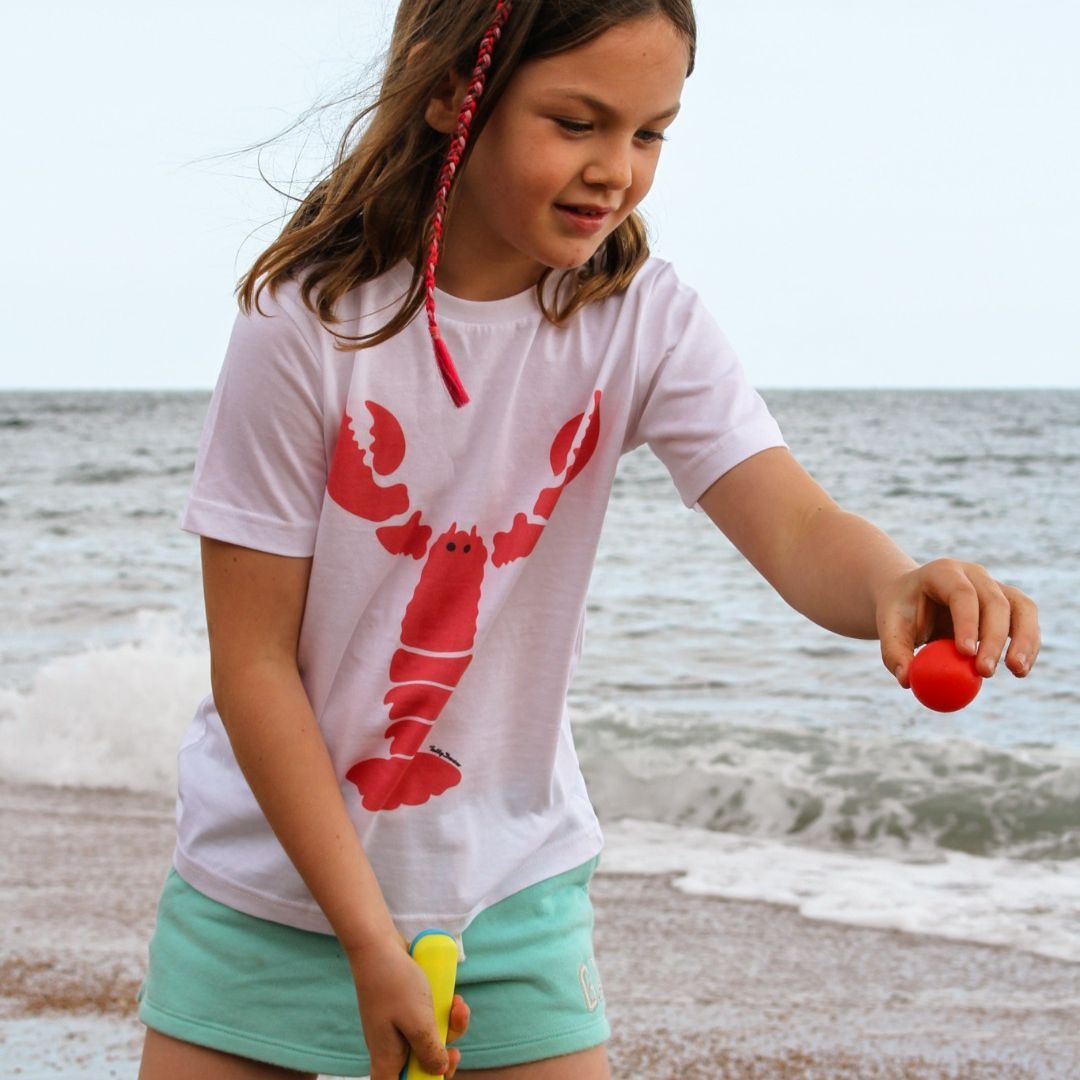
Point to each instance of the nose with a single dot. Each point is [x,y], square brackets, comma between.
[611,167]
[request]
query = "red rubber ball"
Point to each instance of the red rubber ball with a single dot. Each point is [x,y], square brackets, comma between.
[942,677]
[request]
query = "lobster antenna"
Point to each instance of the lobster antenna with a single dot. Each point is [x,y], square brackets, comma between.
[446,179]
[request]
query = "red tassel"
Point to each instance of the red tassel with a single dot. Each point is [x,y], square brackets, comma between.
[446,178]
[449,373]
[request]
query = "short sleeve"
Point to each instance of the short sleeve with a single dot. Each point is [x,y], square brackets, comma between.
[260,471]
[695,407]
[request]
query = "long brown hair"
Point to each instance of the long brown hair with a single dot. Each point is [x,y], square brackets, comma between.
[374,206]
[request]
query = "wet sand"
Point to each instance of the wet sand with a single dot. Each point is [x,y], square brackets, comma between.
[695,987]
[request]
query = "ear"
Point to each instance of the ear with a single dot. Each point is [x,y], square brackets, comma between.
[444,106]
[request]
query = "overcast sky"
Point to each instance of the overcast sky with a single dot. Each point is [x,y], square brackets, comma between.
[866,193]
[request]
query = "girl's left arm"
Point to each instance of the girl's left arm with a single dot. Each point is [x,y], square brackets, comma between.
[845,574]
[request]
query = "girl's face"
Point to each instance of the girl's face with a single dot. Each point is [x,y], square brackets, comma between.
[568,152]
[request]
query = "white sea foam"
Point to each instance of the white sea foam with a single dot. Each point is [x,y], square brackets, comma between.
[1034,907]
[107,717]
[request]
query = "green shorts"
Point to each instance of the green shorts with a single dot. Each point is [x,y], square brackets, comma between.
[276,994]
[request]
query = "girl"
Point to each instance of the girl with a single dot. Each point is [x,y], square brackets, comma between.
[398,519]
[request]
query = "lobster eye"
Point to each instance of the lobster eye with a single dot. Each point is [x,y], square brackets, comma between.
[467,548]
[451,546]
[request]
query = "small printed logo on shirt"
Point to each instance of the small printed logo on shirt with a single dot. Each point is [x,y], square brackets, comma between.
[591,987]
[444,754]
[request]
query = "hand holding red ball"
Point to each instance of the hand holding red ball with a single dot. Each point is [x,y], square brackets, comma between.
[942,677]
[946,601]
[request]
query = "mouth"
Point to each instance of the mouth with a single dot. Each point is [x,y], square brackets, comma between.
[584,219]
[585,211]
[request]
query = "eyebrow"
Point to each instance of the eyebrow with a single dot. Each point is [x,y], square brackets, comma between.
[602,107]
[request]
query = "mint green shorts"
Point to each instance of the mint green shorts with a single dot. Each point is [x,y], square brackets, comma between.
[276,994]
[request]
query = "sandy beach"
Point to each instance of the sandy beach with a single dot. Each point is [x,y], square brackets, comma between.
[695,987]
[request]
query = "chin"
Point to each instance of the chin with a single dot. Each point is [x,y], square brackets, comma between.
[568,264]
[575,262]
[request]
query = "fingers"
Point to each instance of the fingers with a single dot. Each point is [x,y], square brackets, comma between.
[983,613]
[459,1024]
[425,1045]
[423,1041]
[459,1019]
[442,1059]
[898,625]
[995,616]
[1004,612]
[432,1055]
[455,1061]
[896,653]
[1026,638]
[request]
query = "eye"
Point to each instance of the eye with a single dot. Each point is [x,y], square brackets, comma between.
[577,127]
[651,136]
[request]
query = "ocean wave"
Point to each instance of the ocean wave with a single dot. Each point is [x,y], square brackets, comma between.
[113,716]
[834,790]
[992,901]
[107,717]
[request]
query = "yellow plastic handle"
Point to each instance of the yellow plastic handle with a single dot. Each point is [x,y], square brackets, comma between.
[437,953]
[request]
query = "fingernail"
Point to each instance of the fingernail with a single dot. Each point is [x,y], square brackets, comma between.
[970,645]
[1022,661]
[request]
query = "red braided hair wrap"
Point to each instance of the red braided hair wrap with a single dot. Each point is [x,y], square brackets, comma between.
[446,178]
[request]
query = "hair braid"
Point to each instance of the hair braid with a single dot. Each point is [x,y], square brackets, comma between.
[446,178]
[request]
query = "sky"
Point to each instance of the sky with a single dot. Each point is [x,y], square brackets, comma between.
[865,193]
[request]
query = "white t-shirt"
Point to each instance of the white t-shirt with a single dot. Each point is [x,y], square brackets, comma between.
[452,550]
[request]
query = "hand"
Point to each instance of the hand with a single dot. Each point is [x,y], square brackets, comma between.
[946,598]
[397,1012]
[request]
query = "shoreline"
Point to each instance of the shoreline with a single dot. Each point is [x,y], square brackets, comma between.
[695,986]
[758,990]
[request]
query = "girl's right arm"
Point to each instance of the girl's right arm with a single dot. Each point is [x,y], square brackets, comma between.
[254,606]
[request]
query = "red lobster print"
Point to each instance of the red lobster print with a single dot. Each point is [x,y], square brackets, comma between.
[439,624]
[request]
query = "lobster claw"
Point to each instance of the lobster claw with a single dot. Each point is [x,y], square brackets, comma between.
[518,541]
[351,480]
[560,455]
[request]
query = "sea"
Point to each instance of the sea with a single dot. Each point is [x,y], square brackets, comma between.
[726,740]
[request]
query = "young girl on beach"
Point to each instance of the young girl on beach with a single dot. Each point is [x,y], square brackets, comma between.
[400,489]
